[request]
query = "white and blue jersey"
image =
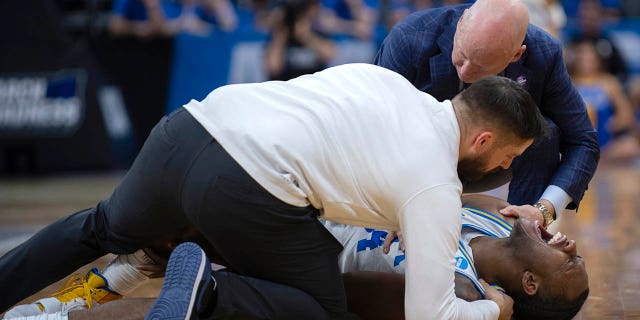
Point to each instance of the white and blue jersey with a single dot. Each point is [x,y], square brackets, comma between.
[363,246]
[363,249]
[476,223]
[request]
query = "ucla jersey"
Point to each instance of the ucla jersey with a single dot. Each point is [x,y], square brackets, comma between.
[475,223]
[363,246]
[363,249]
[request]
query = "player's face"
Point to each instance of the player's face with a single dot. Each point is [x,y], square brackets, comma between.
[553,258]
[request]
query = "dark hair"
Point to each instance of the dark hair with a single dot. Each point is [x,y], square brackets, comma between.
[537,307]
[505,104]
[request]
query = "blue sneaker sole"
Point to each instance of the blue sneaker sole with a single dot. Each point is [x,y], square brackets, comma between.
[187,267]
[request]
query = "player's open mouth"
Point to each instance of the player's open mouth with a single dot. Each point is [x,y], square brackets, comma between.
[547,237]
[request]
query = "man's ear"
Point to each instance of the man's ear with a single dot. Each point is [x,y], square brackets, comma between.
[483,141]
[519,54]
[530,282]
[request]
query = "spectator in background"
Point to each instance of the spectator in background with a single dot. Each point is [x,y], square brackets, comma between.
[591,22]
[144,18]
[220,13]
[608,106]
[255,15]
[547,14]
[148,18]
[352,23]
[295,47]
[247,54]
[351,18]
[611,8]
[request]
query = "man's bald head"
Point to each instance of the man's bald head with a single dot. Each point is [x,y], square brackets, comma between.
[503,22]
[488,37]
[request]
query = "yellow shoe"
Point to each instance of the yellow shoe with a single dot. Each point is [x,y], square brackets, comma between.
[79,292]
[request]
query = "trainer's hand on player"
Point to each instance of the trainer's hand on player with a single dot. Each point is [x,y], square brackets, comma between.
[505,303]
[388,240]
[526,211]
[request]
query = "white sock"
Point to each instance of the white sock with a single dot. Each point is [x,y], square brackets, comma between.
[60,315]
[123,276]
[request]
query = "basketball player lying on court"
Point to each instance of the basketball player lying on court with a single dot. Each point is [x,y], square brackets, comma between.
[542,273]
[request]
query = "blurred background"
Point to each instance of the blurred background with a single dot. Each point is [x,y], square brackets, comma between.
[82,82]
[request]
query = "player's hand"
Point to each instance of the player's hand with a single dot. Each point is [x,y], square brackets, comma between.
[505,303]
[527,211]
[388,240]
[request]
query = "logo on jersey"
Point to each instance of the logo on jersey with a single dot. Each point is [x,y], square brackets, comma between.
[461,263]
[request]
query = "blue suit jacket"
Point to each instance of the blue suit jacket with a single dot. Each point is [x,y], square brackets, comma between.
[420,46]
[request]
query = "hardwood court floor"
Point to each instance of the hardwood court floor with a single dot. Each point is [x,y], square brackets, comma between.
[606,229]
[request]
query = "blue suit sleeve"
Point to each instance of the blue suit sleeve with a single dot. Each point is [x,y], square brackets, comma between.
[579,148]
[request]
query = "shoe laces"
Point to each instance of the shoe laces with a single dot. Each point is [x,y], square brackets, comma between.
[75,287]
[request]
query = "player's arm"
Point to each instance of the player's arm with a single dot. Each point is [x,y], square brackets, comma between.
[465,289]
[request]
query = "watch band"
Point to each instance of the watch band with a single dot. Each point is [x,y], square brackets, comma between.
[546,213]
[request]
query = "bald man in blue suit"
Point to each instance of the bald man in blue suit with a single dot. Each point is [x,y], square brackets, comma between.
[442,50]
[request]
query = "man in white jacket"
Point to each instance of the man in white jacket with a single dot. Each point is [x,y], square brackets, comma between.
[254,165]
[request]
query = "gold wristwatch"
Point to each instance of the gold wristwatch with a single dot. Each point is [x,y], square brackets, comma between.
[546,213]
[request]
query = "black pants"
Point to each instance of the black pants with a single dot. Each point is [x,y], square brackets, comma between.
[183,176]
